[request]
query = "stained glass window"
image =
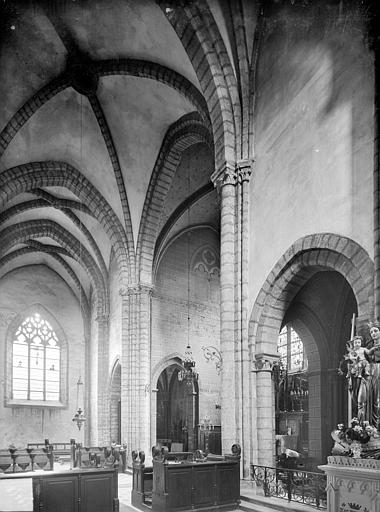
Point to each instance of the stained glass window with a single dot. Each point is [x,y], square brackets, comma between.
[36,361]
[291,349]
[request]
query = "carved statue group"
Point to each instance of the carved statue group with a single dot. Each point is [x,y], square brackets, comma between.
[363,374]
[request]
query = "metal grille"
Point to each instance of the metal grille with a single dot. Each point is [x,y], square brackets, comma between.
[291,484]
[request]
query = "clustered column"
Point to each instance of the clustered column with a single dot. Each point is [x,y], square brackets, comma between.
[376,168]
[244,168]
[232,181]
[135,374]
[225,180]
[103,401]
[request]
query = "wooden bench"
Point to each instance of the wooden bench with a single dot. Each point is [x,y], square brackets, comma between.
[142,484]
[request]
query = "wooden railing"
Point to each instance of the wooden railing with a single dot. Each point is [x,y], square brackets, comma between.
[15,460]
[42,456]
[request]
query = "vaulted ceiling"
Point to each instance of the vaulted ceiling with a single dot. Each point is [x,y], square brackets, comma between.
[101,111]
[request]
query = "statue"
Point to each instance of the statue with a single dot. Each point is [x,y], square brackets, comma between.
[358,374]
[359,366]
[361,437]
[363,374]
[373,398]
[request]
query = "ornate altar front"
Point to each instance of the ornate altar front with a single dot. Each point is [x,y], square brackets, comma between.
[353,485]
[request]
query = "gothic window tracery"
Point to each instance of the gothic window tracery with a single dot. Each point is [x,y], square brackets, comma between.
[36,361]
[291,350]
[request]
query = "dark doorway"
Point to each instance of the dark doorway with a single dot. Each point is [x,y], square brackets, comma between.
[177,411]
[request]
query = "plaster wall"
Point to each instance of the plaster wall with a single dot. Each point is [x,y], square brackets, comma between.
[20,290]
[177,294]
[314,134]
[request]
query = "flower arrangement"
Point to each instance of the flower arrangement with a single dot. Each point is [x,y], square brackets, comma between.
[357,431]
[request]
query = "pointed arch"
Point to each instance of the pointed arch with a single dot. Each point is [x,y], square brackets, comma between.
[28,177]
[14,326]
[199,34]
[180,136]
[70,246]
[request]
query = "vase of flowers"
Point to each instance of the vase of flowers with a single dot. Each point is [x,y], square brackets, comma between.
[354,436]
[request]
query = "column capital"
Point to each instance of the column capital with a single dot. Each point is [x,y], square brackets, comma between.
[136,288]
[225,175]
[264,362]
[244,169]
[146,288]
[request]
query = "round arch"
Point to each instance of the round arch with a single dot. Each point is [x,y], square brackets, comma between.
[307,256]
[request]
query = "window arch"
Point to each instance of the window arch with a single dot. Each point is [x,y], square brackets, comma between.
[36,360]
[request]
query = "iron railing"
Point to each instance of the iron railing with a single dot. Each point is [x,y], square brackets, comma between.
[292,484]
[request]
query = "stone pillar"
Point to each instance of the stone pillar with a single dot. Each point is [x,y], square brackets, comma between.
[126,391]
[103,370]
[144,356]
[87,384]
[376,166]
[153,416]
[135,371]
[262,366]
[225,180]
[244,168]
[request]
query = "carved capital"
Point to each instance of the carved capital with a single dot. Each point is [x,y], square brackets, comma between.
[145,288]
[225,175]
[264,362]
[244,169]
[123,291]
[134,289]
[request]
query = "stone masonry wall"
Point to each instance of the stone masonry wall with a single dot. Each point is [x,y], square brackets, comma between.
[19,291]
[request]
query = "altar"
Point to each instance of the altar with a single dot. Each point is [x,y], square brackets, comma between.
[353,485]
[353,469]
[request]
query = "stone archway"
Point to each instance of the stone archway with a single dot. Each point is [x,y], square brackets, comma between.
[175,404]
[306,257]
[177,410]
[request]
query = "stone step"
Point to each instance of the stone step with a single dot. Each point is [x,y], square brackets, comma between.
[257,503]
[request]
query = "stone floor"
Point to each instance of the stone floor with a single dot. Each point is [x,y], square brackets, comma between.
[17,497]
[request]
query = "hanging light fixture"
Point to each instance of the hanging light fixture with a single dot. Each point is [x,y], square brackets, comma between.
[187,372]
[79,416]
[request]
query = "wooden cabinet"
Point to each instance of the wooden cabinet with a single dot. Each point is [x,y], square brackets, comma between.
[76,491]
[189,486]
